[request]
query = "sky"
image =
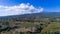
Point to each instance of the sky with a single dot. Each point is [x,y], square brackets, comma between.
[15,7]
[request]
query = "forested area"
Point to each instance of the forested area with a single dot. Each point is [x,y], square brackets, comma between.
[30,25]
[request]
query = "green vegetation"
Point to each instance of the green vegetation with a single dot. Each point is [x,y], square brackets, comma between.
[27,25]
[30,25]
[52,28]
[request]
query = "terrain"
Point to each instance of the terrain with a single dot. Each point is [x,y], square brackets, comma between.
[36,23]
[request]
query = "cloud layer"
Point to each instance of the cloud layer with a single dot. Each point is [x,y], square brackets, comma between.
[21,9]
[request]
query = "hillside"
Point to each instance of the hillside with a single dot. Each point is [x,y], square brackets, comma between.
[35,23]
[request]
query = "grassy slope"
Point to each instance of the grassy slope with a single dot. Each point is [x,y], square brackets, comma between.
[53,27]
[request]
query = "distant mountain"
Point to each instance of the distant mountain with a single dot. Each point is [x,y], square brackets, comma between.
[42,14]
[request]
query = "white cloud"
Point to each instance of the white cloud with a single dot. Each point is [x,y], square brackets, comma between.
[21,9]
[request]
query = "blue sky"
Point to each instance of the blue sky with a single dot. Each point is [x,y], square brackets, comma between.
[47,5]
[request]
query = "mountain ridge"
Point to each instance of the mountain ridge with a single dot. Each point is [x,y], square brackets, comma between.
[33,14]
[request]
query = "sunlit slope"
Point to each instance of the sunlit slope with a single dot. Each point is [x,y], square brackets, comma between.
[52,28]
